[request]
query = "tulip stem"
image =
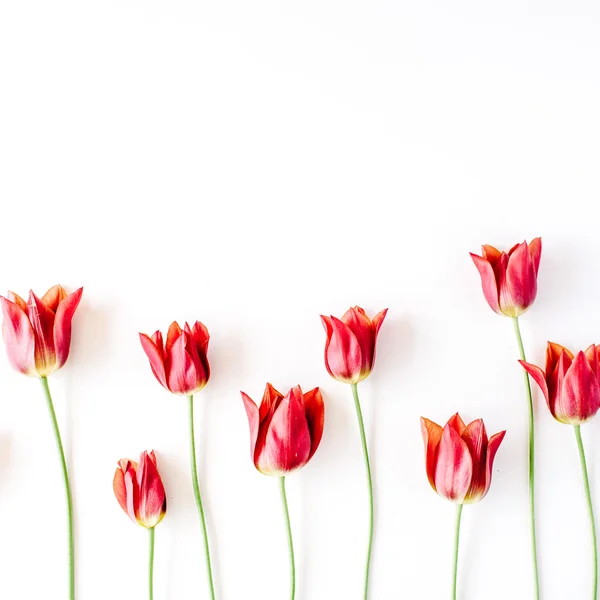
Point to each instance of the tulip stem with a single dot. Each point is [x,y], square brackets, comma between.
[199,498]
[151,565]
[290,538]
[459,509]
[67,486]
[588,495]
[531,461]
[363,439]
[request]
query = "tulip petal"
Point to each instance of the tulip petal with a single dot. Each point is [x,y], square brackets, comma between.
[378,321]
[475,436]
[432,435]
[314,408]
[157,338]
[343,355]
[456,423]
[172,335]
[19,338]
[155,357]
[553,353]
[42,322]
[535,249]
[201,337]
[62,326]
[579,397]
[538,376]
[454,466]
[153,501]
[270,401]
[521,282]
[132,496]
[287,443]
[490,254]
[119,488]
[16,299]
[360,325]
[492,448]
[53,297]
[182,377]
[253,422]
[591,354]
[488,282]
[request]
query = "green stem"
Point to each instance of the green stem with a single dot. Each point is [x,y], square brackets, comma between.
[199,498]
[65,472]
[531,461]
[459,509]
[151,565]
[363,439]
[290,539]
[588,495]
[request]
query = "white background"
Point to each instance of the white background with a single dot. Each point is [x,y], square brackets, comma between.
[255,164]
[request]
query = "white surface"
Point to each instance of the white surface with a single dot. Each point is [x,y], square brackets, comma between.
[254,164]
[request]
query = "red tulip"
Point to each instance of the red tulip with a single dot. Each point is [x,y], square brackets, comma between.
[509,281]
[284,432]
[38,332]
[140,491]
[350,345]
[181,365]
[571,385]
[459,458]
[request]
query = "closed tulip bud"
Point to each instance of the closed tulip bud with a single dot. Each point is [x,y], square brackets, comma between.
[140,491]
[350,344]
[509,281]
[570,384]
[37,333]
[181,364]
[285,432]
[459,458]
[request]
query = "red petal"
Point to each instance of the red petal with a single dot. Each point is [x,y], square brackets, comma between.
[538,376]
[490,254]
[16,299]
[53,297]
[488,282]
[119,488]
[287,443]
[62,326]
[270,401]
[343,356]
[535,249]
[314,408]
[378,321]
[591,354]
[579,397]
[182,377]
[42,322]
[492,448]
[553,352]
[521,281]
[456,423]
[153,501]
[156,359]
[201,337]
[432,434]
[454,466]
[19,338]
[253,422]
[172,335]
[126,488]
[476,439]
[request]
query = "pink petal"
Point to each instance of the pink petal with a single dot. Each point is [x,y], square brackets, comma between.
[16,299]
[172,335]
[456,423]
[119,488]
[156,360]
[432,435]
[538,376]
[314,408]
[19,338]
[153,501]
[253,422]
[42,322]
[343,355]
[579,399]
[591,354]
[488,282]
[157,338]
[287,443]
[492,448]
[454,467]
[475,437]
[378,321]
[182,377]
[62,326]
[535,249]
[521,282]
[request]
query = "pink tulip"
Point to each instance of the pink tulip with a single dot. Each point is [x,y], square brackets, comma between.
[350,345]
[459,458]
[38,332]
[181,365]
[509,281]
[140,491]
[570,384]
[286,431]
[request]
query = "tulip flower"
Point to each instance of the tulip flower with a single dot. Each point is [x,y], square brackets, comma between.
[350,345]
[509,282]
[140,493]
[459,459]
[181,366]
[571,386]
[285,432]
[349,358]
[37,334]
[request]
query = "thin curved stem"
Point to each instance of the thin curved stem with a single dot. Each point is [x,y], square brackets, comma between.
[199,498]
[363,439]
[588,496]
[531,462]
[290,539]
[459,509]
[151,565]
[67,486]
